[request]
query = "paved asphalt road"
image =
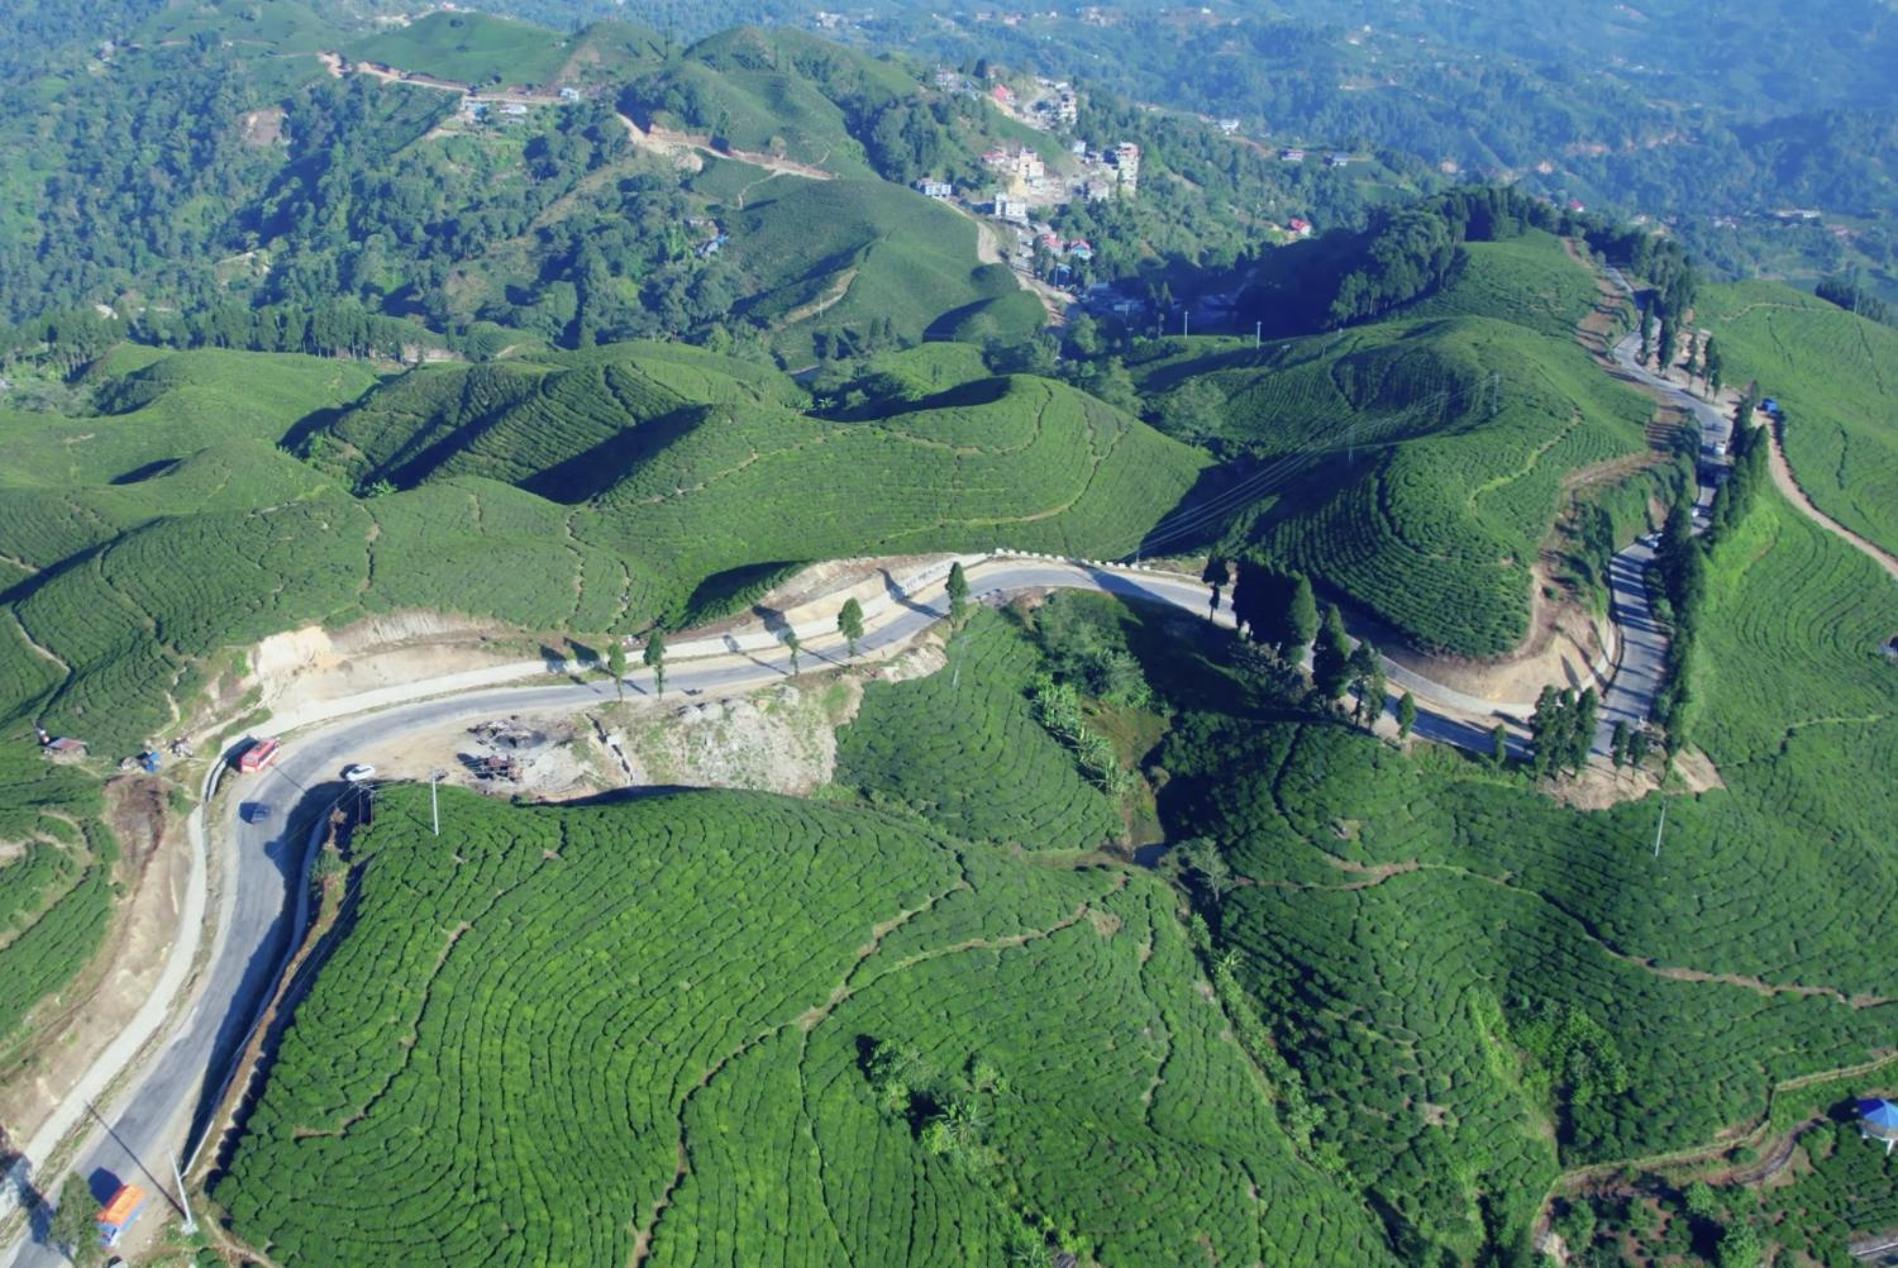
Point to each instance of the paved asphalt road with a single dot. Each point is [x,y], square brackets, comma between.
[265,855]
[1630,697]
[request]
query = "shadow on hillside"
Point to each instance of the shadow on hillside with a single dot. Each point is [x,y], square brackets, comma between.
[593,471]
[620,796]
[1202,513]
[150,471]
[297,438]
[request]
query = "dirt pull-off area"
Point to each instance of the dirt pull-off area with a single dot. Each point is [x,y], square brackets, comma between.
[313,665]
[780,738]
[153,868]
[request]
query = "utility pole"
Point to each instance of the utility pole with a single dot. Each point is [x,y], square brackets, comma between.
[1258,333]
[1658,828]
[1182,324]
[434,805]
[184,1198]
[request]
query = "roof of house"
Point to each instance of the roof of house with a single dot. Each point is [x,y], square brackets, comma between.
[127,1200]
[1878,1114]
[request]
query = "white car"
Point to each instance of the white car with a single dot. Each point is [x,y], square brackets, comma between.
[359,772]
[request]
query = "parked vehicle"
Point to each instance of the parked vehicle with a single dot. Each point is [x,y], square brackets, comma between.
[258,755]
[359,772]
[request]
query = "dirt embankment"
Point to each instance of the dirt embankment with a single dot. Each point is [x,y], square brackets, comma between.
[312,665]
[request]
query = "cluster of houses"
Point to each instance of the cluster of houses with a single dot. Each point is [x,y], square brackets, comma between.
[1022,163]
[1071,249]
[1025,182]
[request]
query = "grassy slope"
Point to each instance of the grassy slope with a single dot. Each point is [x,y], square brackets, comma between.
[469,48]
[908,259]
[962,748]
[704,468]
[1424,506]
[1836,375]
[1404,998]
[1151,1157]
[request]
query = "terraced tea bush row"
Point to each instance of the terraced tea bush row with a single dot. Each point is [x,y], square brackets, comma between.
[1836,376]
[185,403]
[1433,452]
[496,1063]
[962,748]
[1040,464]
[56,892]
[143,580]
[1523,905]
[1527,280]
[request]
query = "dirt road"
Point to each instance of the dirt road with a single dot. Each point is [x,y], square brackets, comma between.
[1788,484]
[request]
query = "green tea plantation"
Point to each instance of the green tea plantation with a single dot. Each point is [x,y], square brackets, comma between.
[719,1028]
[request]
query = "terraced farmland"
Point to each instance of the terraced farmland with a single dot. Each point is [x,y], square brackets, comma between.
[1432,454]
[705,473]
[962,748]
[1019,460]
[1527,280]
[1836,376]
[1482,987]
[563,428]
[545,995]
[56,882]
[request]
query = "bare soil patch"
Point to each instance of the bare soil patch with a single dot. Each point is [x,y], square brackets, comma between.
[261,128]
[312,665]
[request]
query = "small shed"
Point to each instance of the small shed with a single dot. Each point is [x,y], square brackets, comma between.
[65,749]
[1878,1120]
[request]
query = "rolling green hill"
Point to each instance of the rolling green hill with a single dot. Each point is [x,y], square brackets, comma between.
[783,91]
[1527,280]
[1430,455]
[1020,461]
[621,486]
[564,427]
[471,48]
[1483,987]
[1836,376]
[1078,1088]
[962,748]
[825,257]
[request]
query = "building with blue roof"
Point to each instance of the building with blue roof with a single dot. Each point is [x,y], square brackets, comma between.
[1878,1120]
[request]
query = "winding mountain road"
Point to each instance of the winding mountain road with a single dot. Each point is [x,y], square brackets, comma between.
[262,835]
